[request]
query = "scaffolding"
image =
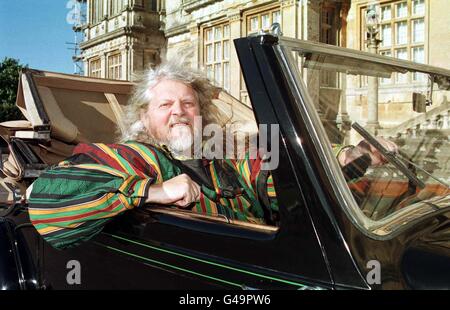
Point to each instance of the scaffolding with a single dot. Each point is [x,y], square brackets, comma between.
[78,18]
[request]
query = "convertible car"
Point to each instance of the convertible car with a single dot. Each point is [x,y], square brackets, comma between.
[356,227]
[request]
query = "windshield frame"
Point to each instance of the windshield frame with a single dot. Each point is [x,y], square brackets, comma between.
[393,224]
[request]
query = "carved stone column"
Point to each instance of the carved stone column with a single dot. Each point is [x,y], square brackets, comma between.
[343,117]
[104,65]
[446,120]
[194,37]
[123,60]
[372,95]
[312,19]
[130,58]
[311,31]
[289,18]
[88,12]
[235,68]
[86,66]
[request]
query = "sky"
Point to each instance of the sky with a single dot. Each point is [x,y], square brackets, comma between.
[36,32]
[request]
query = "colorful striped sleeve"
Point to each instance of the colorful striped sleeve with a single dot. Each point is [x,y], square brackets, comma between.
[72,201]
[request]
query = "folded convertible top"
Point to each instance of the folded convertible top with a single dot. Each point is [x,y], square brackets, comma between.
[72,108]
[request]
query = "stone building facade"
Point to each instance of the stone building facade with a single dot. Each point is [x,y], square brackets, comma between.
[121,37]
[125,36]
[205,30]
[415,30]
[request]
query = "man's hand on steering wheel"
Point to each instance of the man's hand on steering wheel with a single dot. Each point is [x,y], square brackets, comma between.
[363,147]
[377,159]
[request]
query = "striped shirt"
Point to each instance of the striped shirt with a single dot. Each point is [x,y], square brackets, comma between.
[72,201]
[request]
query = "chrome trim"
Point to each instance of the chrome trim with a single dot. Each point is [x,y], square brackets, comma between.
[332,50]
[187,214]
[275,30]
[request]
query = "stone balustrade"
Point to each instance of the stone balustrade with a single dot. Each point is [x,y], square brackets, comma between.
[435,119]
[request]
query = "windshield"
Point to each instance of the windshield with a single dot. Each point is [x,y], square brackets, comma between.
[401,103]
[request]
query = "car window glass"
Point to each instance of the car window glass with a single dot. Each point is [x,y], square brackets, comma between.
[342,92]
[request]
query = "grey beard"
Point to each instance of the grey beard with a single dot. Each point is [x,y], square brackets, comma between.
[185,146]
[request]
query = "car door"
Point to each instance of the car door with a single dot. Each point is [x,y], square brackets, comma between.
[162,248]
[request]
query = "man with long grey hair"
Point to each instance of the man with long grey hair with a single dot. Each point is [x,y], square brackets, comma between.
[155,162]
[141,117]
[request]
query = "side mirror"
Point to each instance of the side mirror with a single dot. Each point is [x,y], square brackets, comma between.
[419,102]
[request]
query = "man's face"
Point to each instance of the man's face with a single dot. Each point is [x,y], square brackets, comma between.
[170,115]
